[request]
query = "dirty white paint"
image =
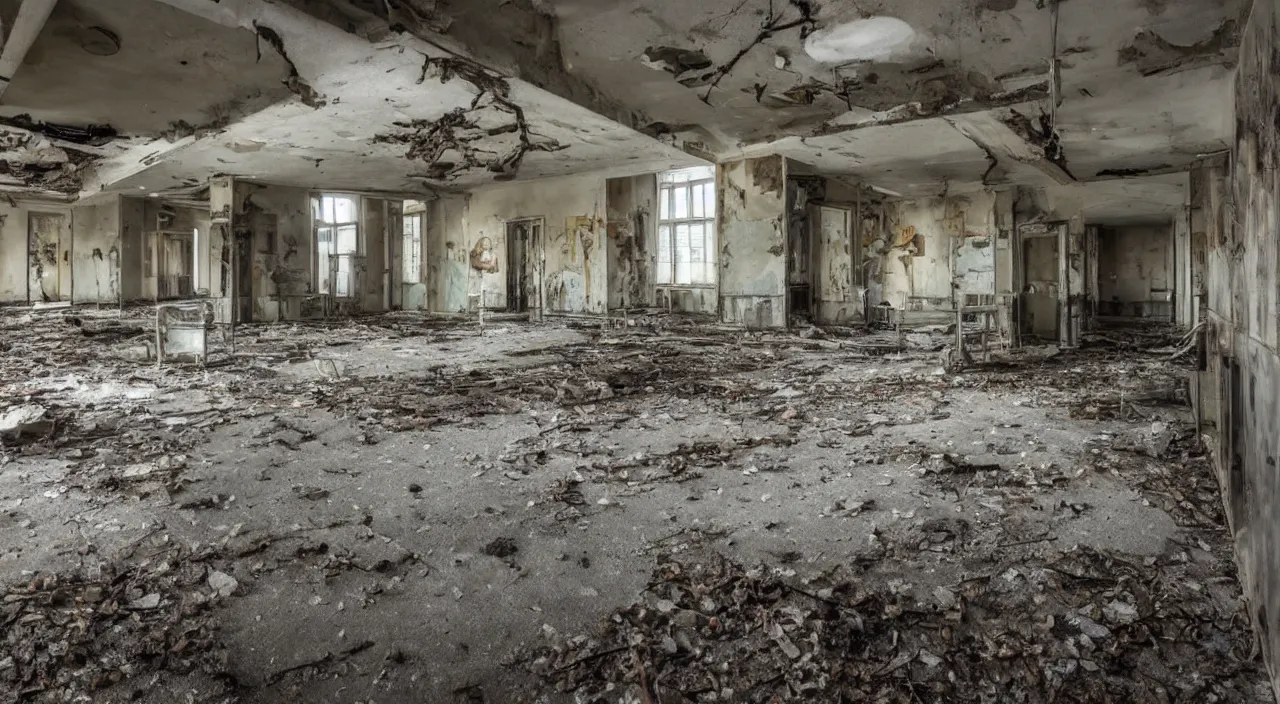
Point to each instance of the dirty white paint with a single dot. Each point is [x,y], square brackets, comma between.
[446,267]
[871,39]
[95,259]
[13,253]
[752,239]
[575,277]
[367,88]
[632,240]
[1135,271]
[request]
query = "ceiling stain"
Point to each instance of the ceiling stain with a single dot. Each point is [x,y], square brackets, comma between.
[1153,54]
[996,5]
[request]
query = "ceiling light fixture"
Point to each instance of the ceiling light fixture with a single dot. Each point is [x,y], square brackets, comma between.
[871,39]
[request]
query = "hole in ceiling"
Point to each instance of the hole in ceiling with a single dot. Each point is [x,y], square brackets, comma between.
[99,41]
[675,60]
[871,39]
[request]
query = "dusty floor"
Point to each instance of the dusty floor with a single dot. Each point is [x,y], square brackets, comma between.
[402,509]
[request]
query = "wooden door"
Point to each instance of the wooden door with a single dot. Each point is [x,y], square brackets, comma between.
[1040,285]
[49,257]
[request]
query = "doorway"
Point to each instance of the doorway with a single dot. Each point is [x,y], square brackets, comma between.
[523,237]
[803,196]
[1040,282]
[49,242]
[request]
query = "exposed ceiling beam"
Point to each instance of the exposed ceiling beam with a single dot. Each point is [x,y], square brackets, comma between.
[31,19]
[914,111]
[987,131]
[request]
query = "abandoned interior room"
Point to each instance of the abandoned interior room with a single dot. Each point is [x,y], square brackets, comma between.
[639,351]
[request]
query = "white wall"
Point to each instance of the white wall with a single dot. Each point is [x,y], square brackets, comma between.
[95,249]
[95,252]
[575,279]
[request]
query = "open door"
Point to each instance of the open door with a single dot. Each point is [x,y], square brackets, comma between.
[49,260]
[835,266]
[802,230]
[523,238]
[1040,282]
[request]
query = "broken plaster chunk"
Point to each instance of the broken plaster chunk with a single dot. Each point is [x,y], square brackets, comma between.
[150,601]
[223,584]
[1120,612]
[27,419]
[1089,627]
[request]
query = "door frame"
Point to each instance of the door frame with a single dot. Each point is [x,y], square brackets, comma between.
[1044,230]
[64,231]
[534,264]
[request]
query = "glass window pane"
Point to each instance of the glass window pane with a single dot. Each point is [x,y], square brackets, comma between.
[664,255]
[696,173]
[346,240]
[326,211]
[322,271]
[664,204]
[345,209]
[343,277]
[709,199]
[699,208]
[684,273]
[682,243]
[680,207]
[705,273]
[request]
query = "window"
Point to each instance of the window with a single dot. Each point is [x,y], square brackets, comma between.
[412,257]
[687,227]
[337,241]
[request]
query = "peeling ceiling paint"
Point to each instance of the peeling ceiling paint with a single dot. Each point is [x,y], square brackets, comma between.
[409,95]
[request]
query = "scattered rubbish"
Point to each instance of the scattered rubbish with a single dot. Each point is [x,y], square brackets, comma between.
[223,584]
[25,420]
[501,548]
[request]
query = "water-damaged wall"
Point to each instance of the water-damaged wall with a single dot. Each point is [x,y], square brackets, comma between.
[15,219]
[132,226]
[278,220]
[1243,290]
[95,252]
[631,227]
[446,255]
[1135,271]
[575,277]
[936,252]
[751,217]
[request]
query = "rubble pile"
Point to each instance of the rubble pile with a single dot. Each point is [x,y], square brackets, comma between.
[67,638]
[1079,626]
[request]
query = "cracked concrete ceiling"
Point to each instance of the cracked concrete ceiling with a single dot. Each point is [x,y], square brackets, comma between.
[916,96]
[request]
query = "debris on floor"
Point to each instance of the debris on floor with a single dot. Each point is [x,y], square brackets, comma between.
[1081,626]
[372,509]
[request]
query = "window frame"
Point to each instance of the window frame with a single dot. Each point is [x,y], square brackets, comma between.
[667,186]
[411,256]
[330,248]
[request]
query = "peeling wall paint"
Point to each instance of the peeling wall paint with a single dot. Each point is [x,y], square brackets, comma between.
[829,209]
[631,229]
[937,251]
[575,270]
[95,254]
[278,220]
[751,217]
[446,255]
[1244,315]
[132,226]
[1135,271]
[13,254]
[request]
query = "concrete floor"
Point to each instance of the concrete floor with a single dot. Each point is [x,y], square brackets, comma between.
[416,510]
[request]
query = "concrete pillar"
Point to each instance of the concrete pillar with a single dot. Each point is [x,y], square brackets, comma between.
[220,279]
[751,220]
